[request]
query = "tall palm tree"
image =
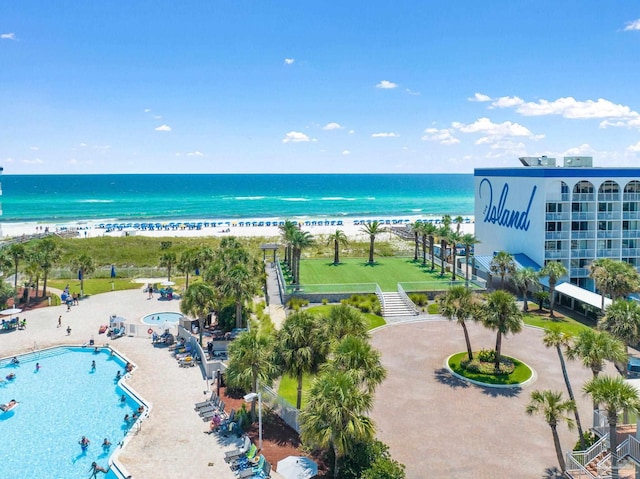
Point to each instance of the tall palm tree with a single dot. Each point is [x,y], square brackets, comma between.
[188,262]
[198,301]
[344,320]
[300,241]
[17,253]
[524,279]
[429,231]
[614,278]
[616,395]
[287,230]
[468,240]
[355,355]
[415,229]
[337,238]
[454,238]
[301,347]
[554,337]
[83,265]
[336,415]
[554,270]
[168,260]
[239,284]
[373,229]
[502,315]
[622,320]
[443,234]
[461,304]
[458,220]
[502,263]
[48,253]
[552,406]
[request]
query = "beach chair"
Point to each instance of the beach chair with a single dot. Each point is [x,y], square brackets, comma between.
[208,414]
[253,470]
[213,398]
[212,405]
[235,453]
[243,462]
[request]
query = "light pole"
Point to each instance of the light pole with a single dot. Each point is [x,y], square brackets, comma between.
[250,398]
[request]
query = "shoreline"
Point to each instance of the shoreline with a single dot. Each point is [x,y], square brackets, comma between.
[248,227]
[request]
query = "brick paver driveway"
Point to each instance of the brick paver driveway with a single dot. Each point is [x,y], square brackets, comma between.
[440,427]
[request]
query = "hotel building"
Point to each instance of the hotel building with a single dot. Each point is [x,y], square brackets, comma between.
[572,214]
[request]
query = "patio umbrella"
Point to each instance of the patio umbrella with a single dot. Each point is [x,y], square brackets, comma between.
[80,274]
[10,311]
[113,271]
[167,283]
[297,467]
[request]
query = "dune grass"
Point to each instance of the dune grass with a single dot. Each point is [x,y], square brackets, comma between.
[521,373]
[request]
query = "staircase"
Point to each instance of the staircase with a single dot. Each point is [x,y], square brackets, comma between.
[394,305]
[595,463]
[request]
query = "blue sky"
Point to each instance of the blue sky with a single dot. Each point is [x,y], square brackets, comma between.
[241,86]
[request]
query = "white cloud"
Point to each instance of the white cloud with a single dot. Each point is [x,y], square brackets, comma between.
[7,36]
[385,135]
[82,144]
[411,92]
[195,153]
[163,128]
[157,117]
[443,136]
[480,97]
[581,150]
[147,110]
[289,61]
[494,131]
[635,25]
[569,107]
[506,102]
[347,152]
[386,85]
[351,132]
[332,126]
[36,161]
[634,148]
[295,137]
[34,148]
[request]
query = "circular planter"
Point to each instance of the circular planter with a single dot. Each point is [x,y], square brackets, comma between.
[527,372]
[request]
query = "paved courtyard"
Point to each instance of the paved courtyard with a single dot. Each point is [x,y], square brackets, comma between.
[442,427]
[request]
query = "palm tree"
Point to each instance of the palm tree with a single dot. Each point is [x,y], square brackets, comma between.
[415,228]
[502,263]
[300,241]
[554,337]
[84,265]
[287,230]
[459,303]
[615,394]
[49,254]
[344,320]
[552,406]
[443,233]
[468,240]
[502,315]
[355,355]
[554,270]
[252,360]
[458,220]
[524,279]
[198,301]
[239,284]
[301,347]
[622,320]
[454,238]
[188,262]
[336,415]
[16,253]
[338,238]
[614,278]
[168,260]
[372,229]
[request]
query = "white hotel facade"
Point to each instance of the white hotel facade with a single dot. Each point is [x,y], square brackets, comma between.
[572,214]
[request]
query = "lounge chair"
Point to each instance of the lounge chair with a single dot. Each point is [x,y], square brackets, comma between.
[213,405]
[212,400]
[247,460]
[232,459]
[208,414]
[253,470]
[236,453]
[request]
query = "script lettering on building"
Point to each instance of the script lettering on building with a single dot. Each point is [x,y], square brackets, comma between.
[502,212]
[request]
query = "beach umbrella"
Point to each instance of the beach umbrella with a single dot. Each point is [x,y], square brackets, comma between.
[197,271]
[10,311]
[80,274]
[297,467]
[113,271]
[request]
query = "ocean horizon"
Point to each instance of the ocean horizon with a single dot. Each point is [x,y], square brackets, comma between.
[125,197]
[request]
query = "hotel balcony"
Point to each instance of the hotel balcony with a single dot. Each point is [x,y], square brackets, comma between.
[631,233]
[584,215]
[609,215]
[608,253]
[556,235]
[609,234]
[584,197]
[631,197]
[555,254]
[582,253]
[579,272]
[608,196]
[557,216]
[630,252]
[630,215]
[589,234]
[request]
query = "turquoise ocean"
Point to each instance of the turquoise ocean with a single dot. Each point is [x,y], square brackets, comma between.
[66,198]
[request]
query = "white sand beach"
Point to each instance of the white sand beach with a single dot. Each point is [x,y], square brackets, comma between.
[249,227]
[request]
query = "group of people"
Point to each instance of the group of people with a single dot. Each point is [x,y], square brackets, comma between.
[131,419]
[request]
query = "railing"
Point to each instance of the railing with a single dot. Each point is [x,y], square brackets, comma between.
[630,215]
[584,197]
[583,234]
[630,196]
[557,216]
[609,233]
[584,215]
[608,253]
[631,233]
[601,427]
[380,296]
[345,288]
[421,286]
[407,300]
[556,254]
[582,458]
[573,465]
[281,407]
[583,253]
[632,449]
[550,235]
[608,196]
[579,272]
[630,251]
[281,283]
[609,215]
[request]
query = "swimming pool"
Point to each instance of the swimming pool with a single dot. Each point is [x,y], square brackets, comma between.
[58,404]
[159,319]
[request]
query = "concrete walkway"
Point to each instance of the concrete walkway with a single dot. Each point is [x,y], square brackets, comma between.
[441,427]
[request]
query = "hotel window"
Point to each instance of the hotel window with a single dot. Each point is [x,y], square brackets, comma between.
[554,207]
[630,225]
[605,244]
[630,206]
[580,263]
[605,207]
[579,244]
[554,226]
[579,226]
[629,243]
[605,225]
[631,261]
[553,245]
[579,207]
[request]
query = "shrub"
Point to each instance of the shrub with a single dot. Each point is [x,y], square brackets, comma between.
[486,355]
[589,440]
[419,299]
[297,303]
[487,367]
[325,301]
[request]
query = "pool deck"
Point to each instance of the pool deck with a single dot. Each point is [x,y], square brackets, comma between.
[171,441]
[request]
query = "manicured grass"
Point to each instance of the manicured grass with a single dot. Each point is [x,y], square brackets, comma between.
[288,388]
[386,271]
[433,308]
[94,285]
[565,324]
[521,373]
[374,320]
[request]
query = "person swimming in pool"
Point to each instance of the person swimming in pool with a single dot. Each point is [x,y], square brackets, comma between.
[84,443]
[118,375]
[106,444]
[15,360]
[95,469]
[9,406]
[11,376]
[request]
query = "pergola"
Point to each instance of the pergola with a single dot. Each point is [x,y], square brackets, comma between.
[269,247]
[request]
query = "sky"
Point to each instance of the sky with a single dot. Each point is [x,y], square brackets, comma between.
[238,86]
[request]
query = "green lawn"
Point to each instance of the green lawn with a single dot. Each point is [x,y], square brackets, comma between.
[93,285]
[289,388]
[565,324]
[386,271]
[521,373]
[374,320]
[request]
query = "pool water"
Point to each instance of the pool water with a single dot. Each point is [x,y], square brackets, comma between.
[58,404]
[159,319]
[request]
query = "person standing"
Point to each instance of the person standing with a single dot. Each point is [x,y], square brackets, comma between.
[59,321]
